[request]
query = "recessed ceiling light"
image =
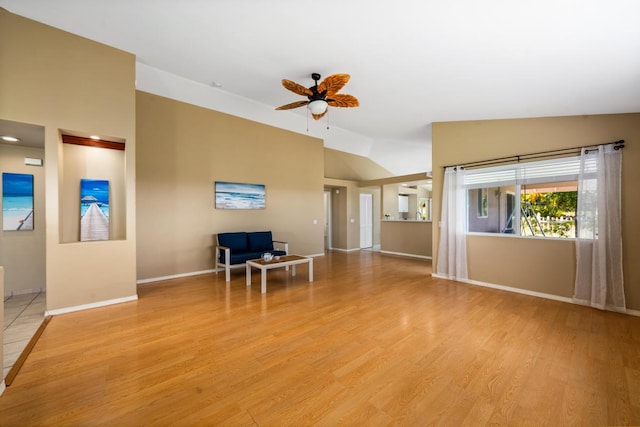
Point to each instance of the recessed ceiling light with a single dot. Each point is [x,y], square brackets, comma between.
[9,138]
[96,137]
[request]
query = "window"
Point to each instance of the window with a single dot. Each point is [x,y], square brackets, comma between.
[536,198]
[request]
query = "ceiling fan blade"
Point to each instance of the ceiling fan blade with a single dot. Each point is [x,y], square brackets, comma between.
[333,83]
[296,88]
[293,105]
[319,116]
[340,100]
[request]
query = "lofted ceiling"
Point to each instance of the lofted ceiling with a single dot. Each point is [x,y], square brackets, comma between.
[411,63]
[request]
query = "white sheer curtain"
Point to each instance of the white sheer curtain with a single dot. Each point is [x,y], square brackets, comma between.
[599,280]
[452,253]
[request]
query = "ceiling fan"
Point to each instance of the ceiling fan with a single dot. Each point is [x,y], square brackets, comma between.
[321,96]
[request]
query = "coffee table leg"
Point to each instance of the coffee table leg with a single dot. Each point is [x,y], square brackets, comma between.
[311,269]
[263,280]
[248,275]
[293,270]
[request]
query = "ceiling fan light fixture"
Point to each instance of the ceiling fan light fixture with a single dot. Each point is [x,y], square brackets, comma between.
[318,106]
[320,95]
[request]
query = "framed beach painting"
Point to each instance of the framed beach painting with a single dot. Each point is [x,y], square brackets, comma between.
[17,202]
[235,195]
[94,209]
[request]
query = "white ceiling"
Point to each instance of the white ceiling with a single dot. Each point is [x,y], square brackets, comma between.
[411,62]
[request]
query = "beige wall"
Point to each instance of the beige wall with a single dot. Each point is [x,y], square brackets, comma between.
[406,237]
[183,149]
[60,81]
[22,253]
[351,167]
[542,265]
[339,221]
[390,203]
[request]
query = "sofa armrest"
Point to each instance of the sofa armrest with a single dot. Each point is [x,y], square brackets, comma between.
[227,253]
[227,260]
[285,244]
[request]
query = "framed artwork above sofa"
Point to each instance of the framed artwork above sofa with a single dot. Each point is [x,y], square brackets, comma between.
[235,195]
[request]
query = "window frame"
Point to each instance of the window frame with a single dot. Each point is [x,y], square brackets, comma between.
[518,175]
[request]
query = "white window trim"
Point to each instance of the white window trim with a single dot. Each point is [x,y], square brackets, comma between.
[535,172]
[518,174]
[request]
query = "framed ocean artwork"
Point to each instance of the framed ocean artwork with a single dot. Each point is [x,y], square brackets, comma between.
[235,195]
[17,202]
[94,209]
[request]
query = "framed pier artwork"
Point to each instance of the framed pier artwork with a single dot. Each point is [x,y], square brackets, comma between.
[17,202]
[94,209]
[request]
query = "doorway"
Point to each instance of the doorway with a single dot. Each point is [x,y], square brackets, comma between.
[23,251]
[366,220]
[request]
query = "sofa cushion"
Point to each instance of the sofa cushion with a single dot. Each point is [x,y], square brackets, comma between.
[237,242]
[243,257]
[260,241]
[246,256]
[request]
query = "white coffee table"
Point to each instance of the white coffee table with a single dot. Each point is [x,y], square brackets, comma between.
[284,261]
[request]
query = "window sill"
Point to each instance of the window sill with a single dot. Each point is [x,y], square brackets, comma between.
[515,236]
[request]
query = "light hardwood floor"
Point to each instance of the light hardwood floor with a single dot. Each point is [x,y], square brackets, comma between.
[374,340]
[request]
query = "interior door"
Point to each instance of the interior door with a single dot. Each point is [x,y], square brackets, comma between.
[366,220]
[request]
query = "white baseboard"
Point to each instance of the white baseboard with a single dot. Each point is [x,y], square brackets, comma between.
[344,250]
[8,293]
[403,254]
[197,273]
[2,387]
[525,292]
[178,276]
[90,306]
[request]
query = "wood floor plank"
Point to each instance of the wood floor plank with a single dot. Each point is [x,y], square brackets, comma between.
[374,340]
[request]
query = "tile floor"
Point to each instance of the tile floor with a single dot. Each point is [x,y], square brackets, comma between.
[23,314]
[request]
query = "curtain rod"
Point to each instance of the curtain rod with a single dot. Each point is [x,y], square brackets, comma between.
[531,156]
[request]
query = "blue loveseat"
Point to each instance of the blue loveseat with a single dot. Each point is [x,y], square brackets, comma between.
[234,249]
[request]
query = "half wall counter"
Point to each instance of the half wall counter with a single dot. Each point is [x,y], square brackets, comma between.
[406,237]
